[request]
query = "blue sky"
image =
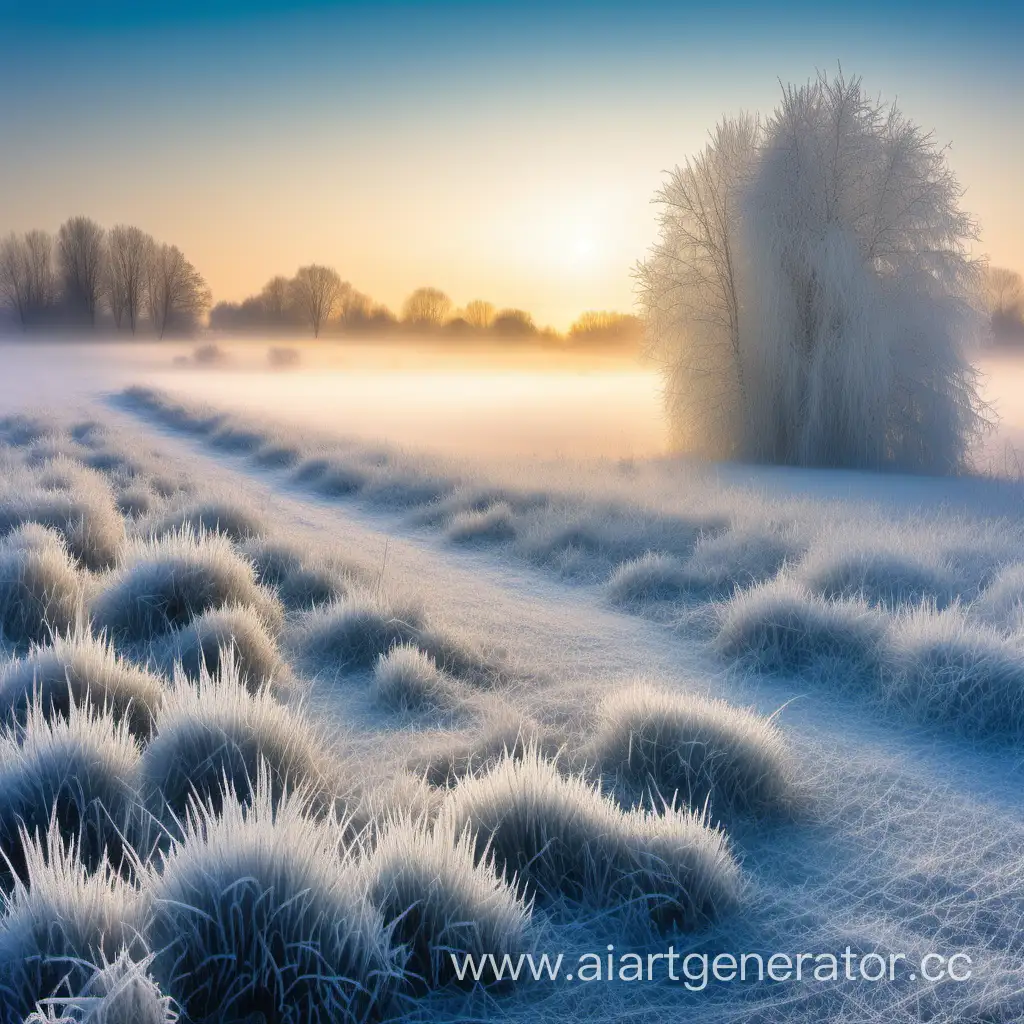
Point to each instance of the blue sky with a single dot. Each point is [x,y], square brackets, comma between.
[504,150]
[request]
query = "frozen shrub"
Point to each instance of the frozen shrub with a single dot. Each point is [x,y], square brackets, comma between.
[561,840]
[76,668]
[492,524]
[120,991]
[80,771]
[945,669]
[217,730]
[40,588]
[163,584]
[280,357]
[258,910]
[211,517]
[693,750]
[237,629]
[408,679]
[58,923]
[209,354]
[779,627]
[352,633]
[881,577]
[439,901]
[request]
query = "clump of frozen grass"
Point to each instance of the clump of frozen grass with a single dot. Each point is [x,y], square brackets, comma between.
[218,729]
[408,679]
[651,577]
[509,737]
[439,901]
[489,525]
[351,634]
[237,629]
[40,588]
[738,558]
[211,517]
[63,919]
[301,582]
[946,669]
[162,584]
[780,627]
[338,478]
[75,669]
[120,991]
[1002,602]
[259,910]
[563,840]
[690,749]
[883,577]
[135,501]
[81,772]
[89,522]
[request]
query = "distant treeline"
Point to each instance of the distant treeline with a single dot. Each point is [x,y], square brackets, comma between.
[85,276]
[1004,296]
[317,299]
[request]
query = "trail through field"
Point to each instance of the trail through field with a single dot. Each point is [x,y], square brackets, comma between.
[908,840]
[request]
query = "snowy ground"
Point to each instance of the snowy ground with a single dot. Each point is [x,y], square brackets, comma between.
[906,833]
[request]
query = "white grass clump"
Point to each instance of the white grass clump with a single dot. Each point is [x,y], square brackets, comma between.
[75,669]
[81,772]
[1002,602]
[439,901]
[259,910]
[59,922]
[40,588]
[351,634]
[651,577]
[491,525]
[120,991]
[889,578]
[163,584]
[301,582]
[218,729]
[563,840]
[408,679]
[238,629]
[779,627]
[948,670]
[223,517]
[692,750]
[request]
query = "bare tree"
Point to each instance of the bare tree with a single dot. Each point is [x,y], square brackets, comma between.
[514,323]
[177,295]
[479,314]
[315,292]
[276,299]
[426,307]
[42,277]
[130,251]
[1004,302]
[82,257]
[14,285]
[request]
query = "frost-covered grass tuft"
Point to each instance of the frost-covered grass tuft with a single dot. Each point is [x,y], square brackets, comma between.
[948,670]
[351,634]
[780,627]
[82,772]
[218,729]
[120,991]
[258,910]
[75,668]
[88,521]
[162,584]
[563,840]
[301,582]
[1002,602]
[439,901]
[237,629]
[40,588]
[651,577]
[492,524]
[887,578]
[211,517]
[408,679]
[63,920]
[689,749]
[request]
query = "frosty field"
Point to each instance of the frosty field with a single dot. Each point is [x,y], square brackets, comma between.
[327,690]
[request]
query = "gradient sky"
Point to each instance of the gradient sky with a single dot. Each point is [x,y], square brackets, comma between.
[505,151]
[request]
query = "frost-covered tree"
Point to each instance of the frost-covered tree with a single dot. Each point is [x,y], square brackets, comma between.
[177,295]
[14,276]
[315,292]
[426,308]
[130,252]
[81,253]
[811,291]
